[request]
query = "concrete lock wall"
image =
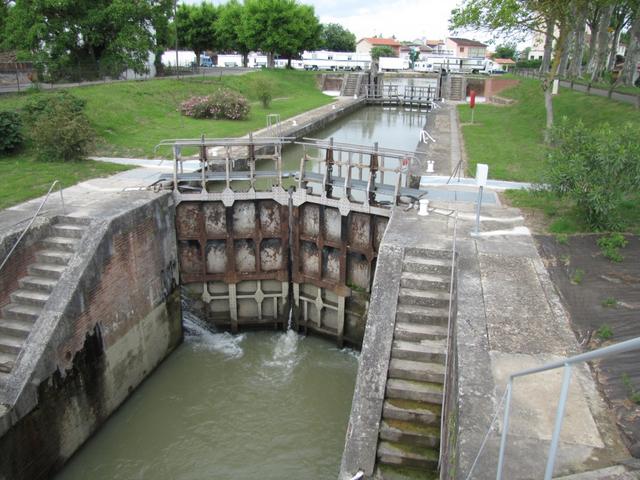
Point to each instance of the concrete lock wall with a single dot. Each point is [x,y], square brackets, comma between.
[257,262]
[118,317]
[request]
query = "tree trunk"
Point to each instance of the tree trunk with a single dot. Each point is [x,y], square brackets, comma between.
[548,45]
[577,52]
[613,51]
[594,25]
[599,59]
[270,60]
[564,61]
[197,58]
[547,84]
[245,59]
[289,62]
[633,51]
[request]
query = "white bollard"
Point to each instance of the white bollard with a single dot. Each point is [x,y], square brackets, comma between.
[430,166]
[333,107]
[424,207]
[294,123]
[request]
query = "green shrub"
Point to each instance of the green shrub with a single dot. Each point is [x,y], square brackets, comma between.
[264,91]
[10,131]
[221,104]
[610,246]
[46,103]
[597,168]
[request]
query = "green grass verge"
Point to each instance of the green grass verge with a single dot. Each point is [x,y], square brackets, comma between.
[605,86]
[130,118]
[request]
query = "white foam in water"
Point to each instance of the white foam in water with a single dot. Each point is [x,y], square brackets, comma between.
[285,358]
[198,334]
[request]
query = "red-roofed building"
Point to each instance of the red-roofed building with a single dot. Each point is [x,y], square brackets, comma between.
[365,45]
[465,48]
[504,63]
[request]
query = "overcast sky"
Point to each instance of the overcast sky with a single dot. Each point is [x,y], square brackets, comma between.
[406,19]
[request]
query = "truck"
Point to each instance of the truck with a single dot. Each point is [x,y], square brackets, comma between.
[393,64]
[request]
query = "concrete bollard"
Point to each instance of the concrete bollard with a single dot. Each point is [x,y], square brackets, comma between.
[430,168]
[424,207]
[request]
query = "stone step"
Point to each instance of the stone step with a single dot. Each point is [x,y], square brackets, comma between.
[30,297]
[27,313]
[427,265]
[426,298]
[428,253]
[396,472]
[16,328]
[419,331]
[392,453]
[68,230]
[413,390]
[71,220]
[412,370]
[616,472]
[422,314]
[425,281]
[58,257]
[61,243]
[48,270]
[7,361]
[431,351]
[41,284]
[412,411]
[406,432]
[10,344]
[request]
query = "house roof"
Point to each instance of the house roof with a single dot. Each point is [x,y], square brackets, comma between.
[504,61]
[380,41]
[466,42]
[434,42]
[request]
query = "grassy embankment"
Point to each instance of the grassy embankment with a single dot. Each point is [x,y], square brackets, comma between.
[510,140]
[130,118]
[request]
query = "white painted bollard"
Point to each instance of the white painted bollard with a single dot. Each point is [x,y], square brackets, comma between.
[424,207]
[294,123]
[556,85]
[482,173]
[333,107]
[430,166]
[355,96]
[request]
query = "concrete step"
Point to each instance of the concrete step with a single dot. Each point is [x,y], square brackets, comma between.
[10,344]
[427,265]
[406,432]
[427,253]
[392,453]
[61,243]
[27,313]
[617,472]
[396,472]
[16,328]
[426,281]
[7,361]
[41,284]
[426,298]
[430,351]
[412,411]
[58,257]
[412,370]
[68,230]
[419,331]
[413,390]
[30,297]
[48,270]
[70,220]
[422,314]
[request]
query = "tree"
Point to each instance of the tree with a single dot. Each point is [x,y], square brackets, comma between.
[506,51]
[100,36]
[414,56]
[4,13]
[229,31]
[196,25]
[382,51]
[509,17]
[334,37]
[632,56]
[280,26]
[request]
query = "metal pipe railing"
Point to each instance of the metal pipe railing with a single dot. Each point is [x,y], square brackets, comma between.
[567,364]
[56,182]
[447,356]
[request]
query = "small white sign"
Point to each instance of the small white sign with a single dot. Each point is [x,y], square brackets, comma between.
[556,84]
[482,172]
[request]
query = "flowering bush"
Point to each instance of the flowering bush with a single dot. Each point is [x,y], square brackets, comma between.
[221,104]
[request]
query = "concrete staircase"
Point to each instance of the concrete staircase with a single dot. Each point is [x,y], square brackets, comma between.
[457,88]
[18,318]
[351,84]
[409,436]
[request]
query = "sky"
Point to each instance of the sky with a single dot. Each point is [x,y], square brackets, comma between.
[406,19]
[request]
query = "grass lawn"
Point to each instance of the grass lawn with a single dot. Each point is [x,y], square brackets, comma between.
[130,118]
[510,140]
[605,86]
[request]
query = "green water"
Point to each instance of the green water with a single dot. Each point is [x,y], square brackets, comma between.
[263,405]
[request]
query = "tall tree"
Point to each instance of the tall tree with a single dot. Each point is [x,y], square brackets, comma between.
[632,55]
[506,51]
[577,49]
[382,51]
[85,37]
[196,25]
[280,27]
[334,37]
[229,31]
[4,13]
[598,60]
[513,16]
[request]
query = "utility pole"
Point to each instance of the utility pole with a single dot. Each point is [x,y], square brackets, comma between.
[175,25]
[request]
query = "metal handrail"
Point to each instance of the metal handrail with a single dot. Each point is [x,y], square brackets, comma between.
[447,357]
[567,364]
[56,182]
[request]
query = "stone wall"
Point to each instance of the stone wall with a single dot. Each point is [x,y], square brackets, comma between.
[114,318]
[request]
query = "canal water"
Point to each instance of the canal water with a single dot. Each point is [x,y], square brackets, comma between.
[255,406]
